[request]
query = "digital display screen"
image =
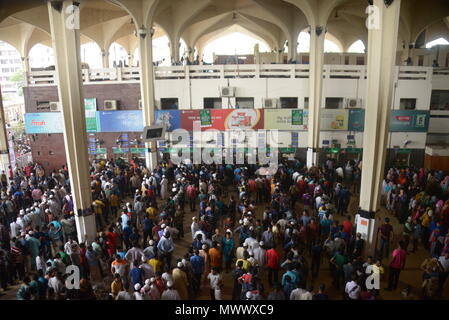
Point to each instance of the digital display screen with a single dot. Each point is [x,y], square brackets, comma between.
[154,133]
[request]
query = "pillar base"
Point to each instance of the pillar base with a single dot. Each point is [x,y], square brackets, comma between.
[151,159]
[367,225]
[86,228]
[312,157]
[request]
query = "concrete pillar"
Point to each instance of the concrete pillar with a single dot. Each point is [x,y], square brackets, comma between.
[147,89]
[130,60]
[66,46]
[4,144]
[105,58]
[25,64]
[200,51]
[174,51]
[315,92]
[279,55]
[382,44]
[292,48]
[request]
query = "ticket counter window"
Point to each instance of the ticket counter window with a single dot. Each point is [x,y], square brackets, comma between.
[401,158]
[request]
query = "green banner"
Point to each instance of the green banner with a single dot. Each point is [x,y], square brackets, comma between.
[117,150]
[297,118]
[331,150]
[353,150]
[356,120]
[205,118]
[409,121]
[101,151]
[138,150]
[90,108]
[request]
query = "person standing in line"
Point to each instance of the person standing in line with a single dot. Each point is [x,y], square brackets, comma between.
[215,280]
[397,264]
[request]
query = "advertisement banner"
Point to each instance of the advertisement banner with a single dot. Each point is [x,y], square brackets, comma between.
[409,121]
[170,118]
[334,119]
[188,117]
[282,119]
[121,121]
[90,107]
[356,120]
[44,122]
[205,118]
[237,119]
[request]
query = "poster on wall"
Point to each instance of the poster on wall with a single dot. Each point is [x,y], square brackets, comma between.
[120,121]
[334,119]
[282,119]
[409,121]
[356,120]
[205,118]
[236,119]
[90,107]
[170,118]
[44,122]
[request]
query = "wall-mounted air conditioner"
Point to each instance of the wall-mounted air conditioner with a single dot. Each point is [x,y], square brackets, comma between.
[270,103]
[353,103]
[110,105]
[54,106]
[139,106]
[227,91]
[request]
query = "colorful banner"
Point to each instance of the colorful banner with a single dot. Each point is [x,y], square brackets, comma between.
[334,119]
[281,119]
[44,122]
[297,119]
[90,107]
[237,119]
[120,121]
[205,118]
[409,121]
[170,118]
[356,120]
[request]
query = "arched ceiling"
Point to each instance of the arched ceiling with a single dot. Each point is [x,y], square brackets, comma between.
[25,23]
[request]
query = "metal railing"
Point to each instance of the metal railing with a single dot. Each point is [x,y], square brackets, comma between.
[292,71]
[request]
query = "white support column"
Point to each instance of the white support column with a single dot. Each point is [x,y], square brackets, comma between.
[4,144]
[382,44]
[66,46]
[105,58]
[130,60]
[147,89]
[315,91]
[293,47]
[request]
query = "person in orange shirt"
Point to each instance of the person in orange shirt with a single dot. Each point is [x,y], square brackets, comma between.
[215,256]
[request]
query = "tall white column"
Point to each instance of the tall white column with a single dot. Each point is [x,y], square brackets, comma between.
[4,145]
[316,59]
[147,89]
[66,46]
[105,58]
[382,45]
[292,48]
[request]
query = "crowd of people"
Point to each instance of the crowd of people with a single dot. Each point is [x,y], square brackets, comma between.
[176,232]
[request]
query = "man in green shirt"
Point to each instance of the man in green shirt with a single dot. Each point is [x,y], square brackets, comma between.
[338,260]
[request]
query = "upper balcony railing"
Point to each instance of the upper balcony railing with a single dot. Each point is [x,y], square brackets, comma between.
[246,71]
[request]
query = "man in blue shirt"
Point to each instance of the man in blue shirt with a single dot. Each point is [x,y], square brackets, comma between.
[290,273]
[197,263]
[136,274]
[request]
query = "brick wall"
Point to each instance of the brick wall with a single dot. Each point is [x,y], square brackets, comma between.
[49,149]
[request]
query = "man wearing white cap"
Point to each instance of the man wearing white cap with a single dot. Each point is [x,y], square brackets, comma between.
[240,250]
[260,254]
[15,228]
[180,281]
[194,227]
[147,269]
[137,294]
[164,188]
[165,248]
[170,293]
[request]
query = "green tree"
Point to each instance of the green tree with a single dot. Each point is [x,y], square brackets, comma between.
[19,80]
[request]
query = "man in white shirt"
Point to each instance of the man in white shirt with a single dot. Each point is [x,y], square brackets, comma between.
[170,293]
[214,278]
[352,289]
[297,293]
[443,261]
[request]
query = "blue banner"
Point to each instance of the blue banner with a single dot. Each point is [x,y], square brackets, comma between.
[171,119]
[356,120]
[120,121]
[44,122]
[409,121]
